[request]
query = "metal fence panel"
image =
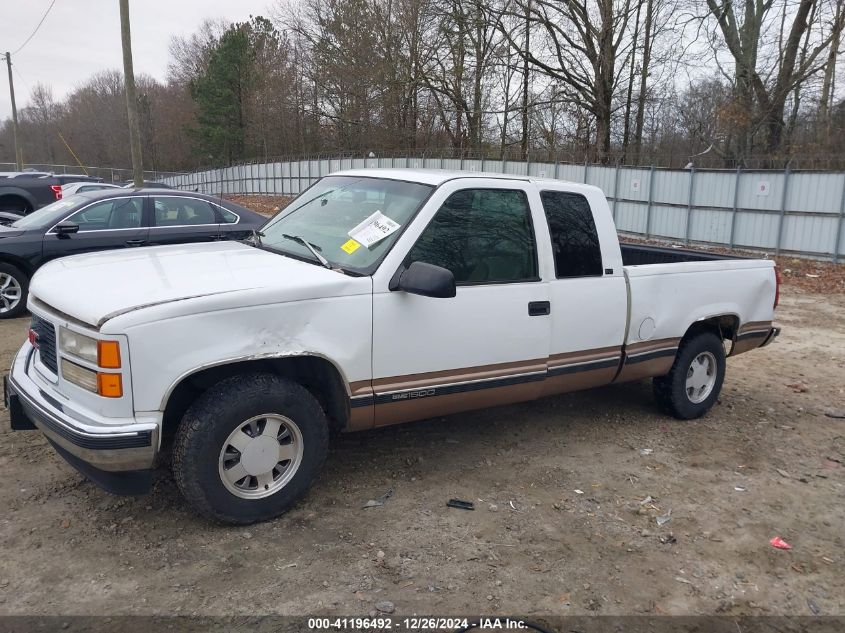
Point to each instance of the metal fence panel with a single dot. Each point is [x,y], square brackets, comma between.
[516,168]
[668,221]
[671,187]
[796,212]
[541,170]
[603,178]
[710,225]
[817,192]
[809,232]
[631,217]
[761,190]
[756,229]
[714,189]
[634,184]
[571,173]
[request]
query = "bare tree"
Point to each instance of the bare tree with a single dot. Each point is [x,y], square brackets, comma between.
[765,78]
[582,43]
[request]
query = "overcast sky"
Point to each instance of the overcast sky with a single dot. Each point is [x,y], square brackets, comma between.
[81,37]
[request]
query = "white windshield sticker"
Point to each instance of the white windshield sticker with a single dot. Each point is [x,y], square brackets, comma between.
[373,230]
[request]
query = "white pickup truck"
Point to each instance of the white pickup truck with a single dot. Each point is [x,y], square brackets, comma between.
[376,297]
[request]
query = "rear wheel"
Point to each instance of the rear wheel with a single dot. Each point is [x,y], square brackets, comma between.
[693,384]
[14,285]
[249,447]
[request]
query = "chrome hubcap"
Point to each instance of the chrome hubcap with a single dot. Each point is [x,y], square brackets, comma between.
[10,292]
[701,377]
[260,456]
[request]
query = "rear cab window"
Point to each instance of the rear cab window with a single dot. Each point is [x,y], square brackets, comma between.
[575,240]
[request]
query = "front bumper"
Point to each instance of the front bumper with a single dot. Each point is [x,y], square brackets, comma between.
[117,457]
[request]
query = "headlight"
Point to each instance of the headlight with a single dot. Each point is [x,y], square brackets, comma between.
[78,345]
[103,353]
[79,375]
[106,385]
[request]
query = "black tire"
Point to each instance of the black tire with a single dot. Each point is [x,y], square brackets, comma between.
[670,390]
[210,420]
[22,281]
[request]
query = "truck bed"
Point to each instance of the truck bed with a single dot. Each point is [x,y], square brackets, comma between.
[639,254]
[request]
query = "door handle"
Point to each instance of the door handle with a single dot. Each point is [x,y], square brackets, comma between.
[539,308]
[135,242]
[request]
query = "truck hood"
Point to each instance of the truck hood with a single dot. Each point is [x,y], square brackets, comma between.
[96,287]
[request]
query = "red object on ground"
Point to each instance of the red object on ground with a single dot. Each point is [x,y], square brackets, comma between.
[780,543]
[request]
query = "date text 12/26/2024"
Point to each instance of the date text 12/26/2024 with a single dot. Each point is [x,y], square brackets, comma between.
[420,623]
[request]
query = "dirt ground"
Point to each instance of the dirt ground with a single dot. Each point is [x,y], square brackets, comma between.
[560,526]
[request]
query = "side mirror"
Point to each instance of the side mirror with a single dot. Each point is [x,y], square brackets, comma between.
[424,279]
[66,228]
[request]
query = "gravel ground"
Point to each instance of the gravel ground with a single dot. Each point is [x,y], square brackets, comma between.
[562,522]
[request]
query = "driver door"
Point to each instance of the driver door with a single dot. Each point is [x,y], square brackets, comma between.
[486,346]
[107,224]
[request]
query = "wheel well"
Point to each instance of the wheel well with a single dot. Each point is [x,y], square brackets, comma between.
[318,375]
[724,326]
[20,264]
[27,204]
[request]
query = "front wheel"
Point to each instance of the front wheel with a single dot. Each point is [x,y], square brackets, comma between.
[249,447]
[693,384]
[14,285]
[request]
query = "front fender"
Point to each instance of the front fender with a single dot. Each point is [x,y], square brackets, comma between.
[163,353]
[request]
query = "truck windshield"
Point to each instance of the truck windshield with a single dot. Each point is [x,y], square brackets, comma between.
[352,221]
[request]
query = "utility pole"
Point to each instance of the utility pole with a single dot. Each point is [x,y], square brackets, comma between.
[525,82]
[18,152]
[131,99]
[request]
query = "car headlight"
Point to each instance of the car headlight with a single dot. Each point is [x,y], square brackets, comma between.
[79,375]
[78,345]
[104,353]
[106,385]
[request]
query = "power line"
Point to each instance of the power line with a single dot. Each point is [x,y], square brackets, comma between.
[38,26]
[18,73]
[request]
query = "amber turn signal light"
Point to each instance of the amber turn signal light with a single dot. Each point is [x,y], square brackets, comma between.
[109,385]
[108,354]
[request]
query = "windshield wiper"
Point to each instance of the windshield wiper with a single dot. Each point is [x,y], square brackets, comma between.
[311,247]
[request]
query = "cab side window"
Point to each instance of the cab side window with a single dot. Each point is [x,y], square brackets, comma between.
[575,241]
[483,236]
[120,213]
[228,216]
[178,211]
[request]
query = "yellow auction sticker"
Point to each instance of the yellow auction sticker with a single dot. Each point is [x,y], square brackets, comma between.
[351,246]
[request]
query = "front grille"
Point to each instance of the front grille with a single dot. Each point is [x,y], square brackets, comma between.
[46,332]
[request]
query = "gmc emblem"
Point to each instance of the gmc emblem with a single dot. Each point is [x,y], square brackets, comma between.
[33,338]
